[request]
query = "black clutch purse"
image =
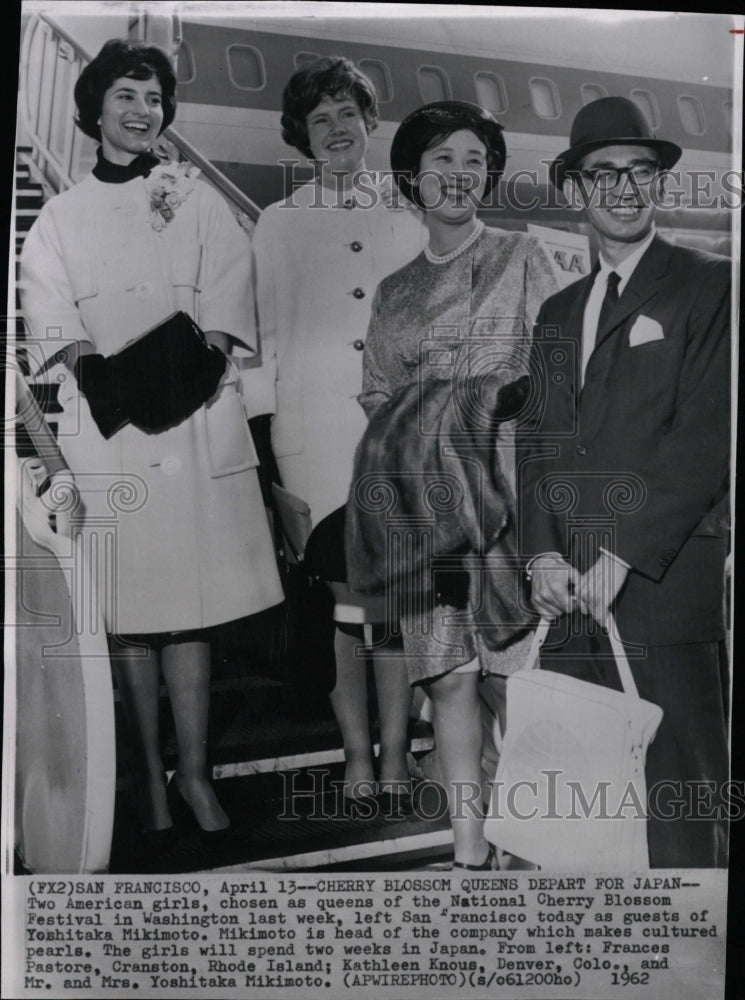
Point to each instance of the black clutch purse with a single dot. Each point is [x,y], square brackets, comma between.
[166,374]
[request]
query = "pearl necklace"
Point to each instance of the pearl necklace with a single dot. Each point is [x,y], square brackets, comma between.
[434,258]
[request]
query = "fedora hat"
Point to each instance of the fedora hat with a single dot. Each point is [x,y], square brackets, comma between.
[419,128]
[610,121]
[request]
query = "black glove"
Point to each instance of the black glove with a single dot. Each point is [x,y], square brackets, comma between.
[103,391]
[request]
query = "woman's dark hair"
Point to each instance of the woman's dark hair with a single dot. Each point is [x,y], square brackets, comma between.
[432,124]
[330,76]
[119,58]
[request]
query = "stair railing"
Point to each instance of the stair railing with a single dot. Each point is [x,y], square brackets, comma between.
[51,61]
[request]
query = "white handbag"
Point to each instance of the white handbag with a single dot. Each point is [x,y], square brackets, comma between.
[570,792]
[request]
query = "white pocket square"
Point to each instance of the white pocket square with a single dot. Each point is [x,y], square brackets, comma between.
[644,330]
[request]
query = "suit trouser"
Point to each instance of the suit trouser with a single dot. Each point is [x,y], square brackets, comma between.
[687,763]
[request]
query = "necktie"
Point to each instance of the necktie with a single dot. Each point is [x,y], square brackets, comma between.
[611,298]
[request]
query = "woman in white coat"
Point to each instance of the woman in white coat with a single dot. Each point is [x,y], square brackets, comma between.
[319,257]
[171,509]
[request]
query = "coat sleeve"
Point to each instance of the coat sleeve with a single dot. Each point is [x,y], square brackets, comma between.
[47,298]
[686,472]
[376,387]
[226,296]
[259,374]
[538,528]
[540,281]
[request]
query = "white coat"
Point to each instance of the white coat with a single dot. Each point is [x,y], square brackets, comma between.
[317,267]
[176,518]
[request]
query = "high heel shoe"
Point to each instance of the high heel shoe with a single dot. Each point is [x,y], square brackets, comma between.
[179,808]
[183,816]
[489,865]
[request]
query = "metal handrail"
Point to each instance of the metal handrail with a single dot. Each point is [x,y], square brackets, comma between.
[63,170]
[210,171]
[31,119]
[30,414]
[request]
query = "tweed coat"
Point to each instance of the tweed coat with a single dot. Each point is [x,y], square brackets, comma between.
[457,322]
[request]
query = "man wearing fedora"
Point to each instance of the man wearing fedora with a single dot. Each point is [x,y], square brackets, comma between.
[624,468]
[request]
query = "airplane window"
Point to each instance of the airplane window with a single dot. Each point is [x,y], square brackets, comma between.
[692,115]
[245,67]
[185,71]
[727,109]
[490,92]
[544,97]
[378,73]
[304,58]
[647,103]
[433,84]
[592,92]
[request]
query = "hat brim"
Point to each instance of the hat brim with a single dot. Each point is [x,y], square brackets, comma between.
[402,140]
[668,152]
[405,168]
[444,116]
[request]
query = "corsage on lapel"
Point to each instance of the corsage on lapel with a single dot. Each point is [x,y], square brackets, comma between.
[644,330]
[167,187]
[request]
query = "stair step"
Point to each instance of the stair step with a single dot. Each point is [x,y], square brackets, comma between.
[28,203]
[261,727]
[268,741]
[273,832]
[25,220]
[32,175]
[24,175]
[29,196]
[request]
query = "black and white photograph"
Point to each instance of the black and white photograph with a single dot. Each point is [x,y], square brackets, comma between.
[370,422]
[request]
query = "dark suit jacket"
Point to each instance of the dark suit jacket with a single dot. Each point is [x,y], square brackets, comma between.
[639,456]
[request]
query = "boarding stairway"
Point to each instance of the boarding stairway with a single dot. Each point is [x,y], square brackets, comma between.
[276,747]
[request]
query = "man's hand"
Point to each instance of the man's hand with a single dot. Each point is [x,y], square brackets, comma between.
[555,583]
[600,586]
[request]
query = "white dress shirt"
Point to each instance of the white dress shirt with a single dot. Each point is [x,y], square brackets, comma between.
[624,270]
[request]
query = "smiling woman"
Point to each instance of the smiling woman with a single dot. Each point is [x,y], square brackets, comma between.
[131,118]
[451,184]
[484,287]
[319,256]
[130,86]
[337,136]
[140,246]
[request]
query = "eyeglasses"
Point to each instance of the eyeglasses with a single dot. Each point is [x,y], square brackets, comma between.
[605,178]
